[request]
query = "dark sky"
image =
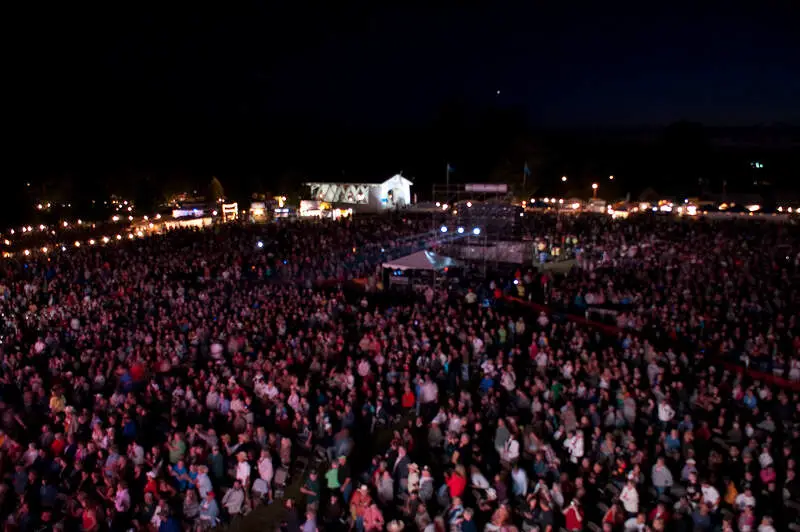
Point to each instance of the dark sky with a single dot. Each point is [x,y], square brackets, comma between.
[84,77]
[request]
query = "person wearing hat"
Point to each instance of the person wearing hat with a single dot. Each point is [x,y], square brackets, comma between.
[209,511]
[358,505]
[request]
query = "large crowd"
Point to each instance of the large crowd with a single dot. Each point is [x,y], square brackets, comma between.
[196,379]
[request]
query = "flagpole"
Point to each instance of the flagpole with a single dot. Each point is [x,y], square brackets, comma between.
[447,177]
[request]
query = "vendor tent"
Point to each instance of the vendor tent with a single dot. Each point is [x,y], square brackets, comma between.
[422,260]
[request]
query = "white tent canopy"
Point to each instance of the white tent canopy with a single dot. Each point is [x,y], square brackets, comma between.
[422,260]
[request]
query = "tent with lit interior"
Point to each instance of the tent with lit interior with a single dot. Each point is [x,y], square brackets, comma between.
[422,268]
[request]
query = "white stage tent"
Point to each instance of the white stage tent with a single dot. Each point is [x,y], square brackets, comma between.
[423,261]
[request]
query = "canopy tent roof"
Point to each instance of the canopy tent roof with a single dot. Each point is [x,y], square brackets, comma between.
[422,260]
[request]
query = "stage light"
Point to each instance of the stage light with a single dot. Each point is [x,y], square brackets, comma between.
[260,244]
[443,229]
[460,230]
[476,231]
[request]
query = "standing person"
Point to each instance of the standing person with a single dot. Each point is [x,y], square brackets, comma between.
[233,500]
[311,490]
[573,517]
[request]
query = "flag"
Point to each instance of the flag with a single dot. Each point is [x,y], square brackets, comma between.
[450,169]
[526,170]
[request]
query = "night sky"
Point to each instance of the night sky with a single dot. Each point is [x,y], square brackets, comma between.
[85,79]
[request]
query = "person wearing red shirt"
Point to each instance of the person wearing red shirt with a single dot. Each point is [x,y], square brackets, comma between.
[659,512]
[573,517]
[457,482]
[409,400]
[57,447]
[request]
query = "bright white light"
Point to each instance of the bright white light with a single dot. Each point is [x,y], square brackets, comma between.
[438,204]
[460,230]
[561,200]
[130,218]
[563,179]
[521,214]
[91,242]
[65,224]
[213,213]
[41,228]
[469,204]
[516,281]
[63,248]
[105,239]
[130,236]
[476,231]
[666,208]
[27,252]
[44,249]
[594,186]
[260,244]
[445,207]
[158,216]
[611,178]
[753,208]
[443,229]
[115,218]
[77,244]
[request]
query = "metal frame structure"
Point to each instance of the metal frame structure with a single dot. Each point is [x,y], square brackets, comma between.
[458,214]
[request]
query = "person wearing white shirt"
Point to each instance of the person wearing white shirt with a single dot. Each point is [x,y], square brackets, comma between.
[710,495]
[629,497]
[665,412]
[265,470]
[745,499]
[574,444]
[511,450]
[478,480]
[636,524]
[243,469]
[519,481]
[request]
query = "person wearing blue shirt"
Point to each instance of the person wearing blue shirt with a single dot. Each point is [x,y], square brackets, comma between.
[181,475]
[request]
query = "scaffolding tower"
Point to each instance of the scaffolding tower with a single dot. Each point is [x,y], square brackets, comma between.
[477,216]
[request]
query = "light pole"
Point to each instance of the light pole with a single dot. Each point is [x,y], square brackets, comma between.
[563,179]
[594,190]
[611,178]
